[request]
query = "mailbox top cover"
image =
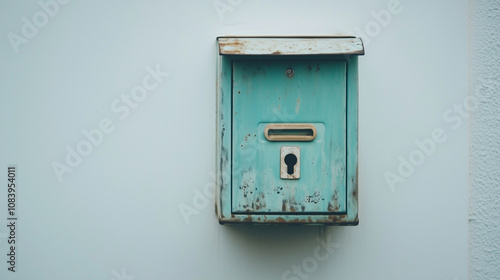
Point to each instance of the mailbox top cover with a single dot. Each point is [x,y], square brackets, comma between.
[290,46]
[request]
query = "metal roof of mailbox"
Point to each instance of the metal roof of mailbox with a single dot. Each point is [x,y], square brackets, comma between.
[290,46]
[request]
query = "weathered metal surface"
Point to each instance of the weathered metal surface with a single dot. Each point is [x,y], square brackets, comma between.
[291,46]
[263,94]
[260,203]
[290,219]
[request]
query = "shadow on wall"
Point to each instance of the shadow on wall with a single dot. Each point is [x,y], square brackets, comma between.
[295,251]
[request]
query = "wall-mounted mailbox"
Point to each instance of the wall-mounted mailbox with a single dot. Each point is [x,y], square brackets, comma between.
[287,130]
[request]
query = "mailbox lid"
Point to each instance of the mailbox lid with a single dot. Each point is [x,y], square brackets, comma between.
[322,45]
[262,93]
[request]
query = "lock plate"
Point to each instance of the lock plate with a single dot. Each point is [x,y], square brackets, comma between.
[290,163]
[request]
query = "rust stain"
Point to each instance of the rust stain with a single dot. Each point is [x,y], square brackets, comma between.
[333,207]
[333,218]
[248,219]
[329,220]
[330,207]
[259,202]
[236,47]
[280,220]
[340,45]
[315,198]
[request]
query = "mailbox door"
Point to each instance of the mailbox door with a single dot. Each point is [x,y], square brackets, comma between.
[288,91]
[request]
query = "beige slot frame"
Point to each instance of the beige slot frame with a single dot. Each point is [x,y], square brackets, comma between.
[290,132]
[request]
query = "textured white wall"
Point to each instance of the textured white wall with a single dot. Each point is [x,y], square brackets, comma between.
[484,220]
[138,203]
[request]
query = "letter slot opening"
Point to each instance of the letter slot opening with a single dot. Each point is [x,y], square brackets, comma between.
[290,132]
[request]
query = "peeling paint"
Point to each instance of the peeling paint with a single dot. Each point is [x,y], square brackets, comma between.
[291,46]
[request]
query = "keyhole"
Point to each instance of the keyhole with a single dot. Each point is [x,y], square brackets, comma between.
[290,161]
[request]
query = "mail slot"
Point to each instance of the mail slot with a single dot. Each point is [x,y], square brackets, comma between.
[287,130]
[290,132]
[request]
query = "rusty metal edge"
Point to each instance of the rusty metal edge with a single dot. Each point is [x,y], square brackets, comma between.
[287,36]
[317,223]
[259,219]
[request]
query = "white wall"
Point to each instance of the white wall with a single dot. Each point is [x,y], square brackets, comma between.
[117,212]
[484,87]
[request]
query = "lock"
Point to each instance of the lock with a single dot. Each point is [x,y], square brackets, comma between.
[290,162]
[287,113]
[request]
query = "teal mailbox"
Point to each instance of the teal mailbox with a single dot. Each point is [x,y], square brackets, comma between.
[287,130]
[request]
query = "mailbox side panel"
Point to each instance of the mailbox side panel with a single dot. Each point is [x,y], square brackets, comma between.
[352,140]
[223,141]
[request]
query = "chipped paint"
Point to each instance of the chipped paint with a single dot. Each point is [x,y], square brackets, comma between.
[297,108]
[315,198]
[291,46]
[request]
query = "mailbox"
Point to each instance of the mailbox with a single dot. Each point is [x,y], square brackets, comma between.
[287,130]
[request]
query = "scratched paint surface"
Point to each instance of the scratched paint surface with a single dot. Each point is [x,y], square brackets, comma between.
[261,94]
[291,46]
